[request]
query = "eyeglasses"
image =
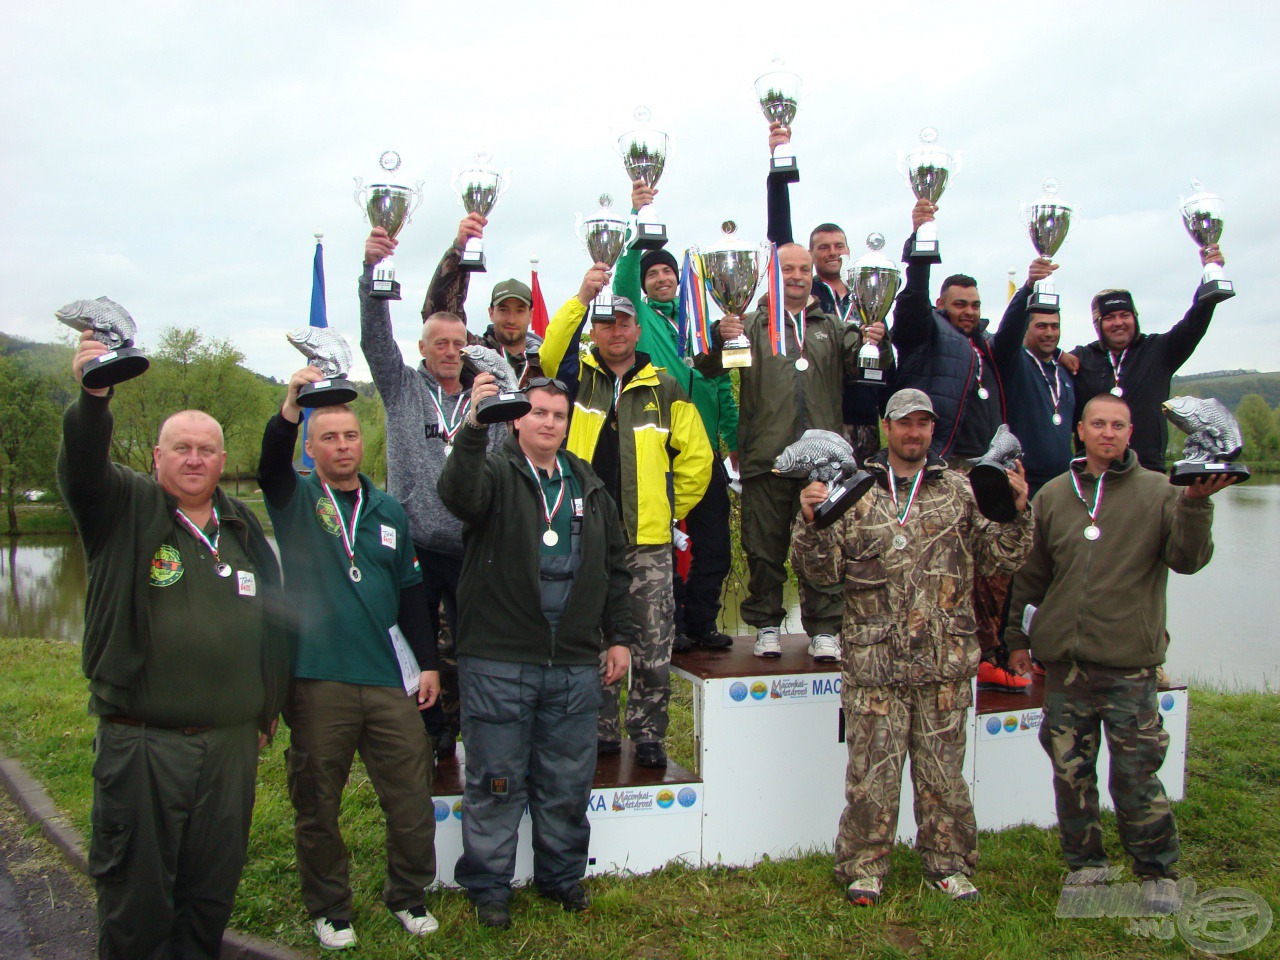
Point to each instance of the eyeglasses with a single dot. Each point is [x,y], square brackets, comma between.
[546,383]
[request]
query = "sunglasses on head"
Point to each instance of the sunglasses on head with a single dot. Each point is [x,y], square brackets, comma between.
[546,383]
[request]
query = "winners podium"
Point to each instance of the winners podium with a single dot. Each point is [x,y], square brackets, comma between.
[769,744]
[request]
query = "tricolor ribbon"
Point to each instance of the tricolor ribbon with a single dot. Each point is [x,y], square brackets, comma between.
[777,306]
[692,320]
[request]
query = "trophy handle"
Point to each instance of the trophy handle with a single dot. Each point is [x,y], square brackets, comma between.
[361,197]
[418,196]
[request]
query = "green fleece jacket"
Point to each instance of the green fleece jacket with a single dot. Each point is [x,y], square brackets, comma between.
[499,592]
[1103,601]
[713,396]
[123,517]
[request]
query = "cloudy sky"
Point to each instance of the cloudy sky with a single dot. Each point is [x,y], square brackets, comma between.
[178,156]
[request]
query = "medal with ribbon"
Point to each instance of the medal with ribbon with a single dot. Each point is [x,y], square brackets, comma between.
[448,428]
[549,510]
[348,537]
[903,513]
[1092,531]
[221,569]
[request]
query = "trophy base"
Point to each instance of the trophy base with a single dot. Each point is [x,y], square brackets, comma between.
[503,408]
[384,289]
[603,312]
[472,261]
[734,358]
[327,393]
[842,496]
[115,366]
[1215,291]
[926,250]
[1043,303]
[1186,472]
[649,236]
[871,377]
[990,485]
[785,169]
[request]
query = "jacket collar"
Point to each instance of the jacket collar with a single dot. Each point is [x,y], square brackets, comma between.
[1118,469]
[642,369]
[587,479]
[979,331]
[878,466]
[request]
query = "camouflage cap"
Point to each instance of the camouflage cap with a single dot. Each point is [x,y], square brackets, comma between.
[909,401]
[511,289]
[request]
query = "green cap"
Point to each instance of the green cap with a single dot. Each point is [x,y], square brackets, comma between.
[511,288]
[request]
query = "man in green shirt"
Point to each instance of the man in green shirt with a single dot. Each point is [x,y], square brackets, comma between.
[363,661]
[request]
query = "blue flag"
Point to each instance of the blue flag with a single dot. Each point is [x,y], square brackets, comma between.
[319,318]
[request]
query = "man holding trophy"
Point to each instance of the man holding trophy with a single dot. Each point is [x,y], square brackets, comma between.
[783,394]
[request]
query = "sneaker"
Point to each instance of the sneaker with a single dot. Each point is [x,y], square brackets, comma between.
[991,677]
[651,754]
[572,899]
[959,887]
[864,892]
[495,914]
[335,934]
[715,640]
[824,648]
[767,644]
[1161,896]
[608,748]
[1037,668]
[417,920]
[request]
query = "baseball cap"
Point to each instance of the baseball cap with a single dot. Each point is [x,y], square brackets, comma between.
[909,401]
[620,305]
[511,288]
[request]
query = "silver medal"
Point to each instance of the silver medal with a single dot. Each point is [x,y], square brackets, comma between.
[223,570]
[984,393]
[355,574]
[899,542]
[802,364]
[1057,419]
[448,449]
[550,538]
[1091,532]
[1117,391]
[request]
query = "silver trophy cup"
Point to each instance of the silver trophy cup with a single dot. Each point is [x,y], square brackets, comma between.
[1048,220]
[1202,216]
[479,187]
[928,170]
[604,236]
[874,280]
[389,206]
[733,268]
[328,351]
[644,153]
[779,93]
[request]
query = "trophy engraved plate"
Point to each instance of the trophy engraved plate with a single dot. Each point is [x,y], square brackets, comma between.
[928,170]
[114,327]
[391,207]
[874,280]
[1202,216]
[1048,221]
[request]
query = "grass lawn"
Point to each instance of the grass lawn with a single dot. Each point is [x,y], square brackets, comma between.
[1229,824]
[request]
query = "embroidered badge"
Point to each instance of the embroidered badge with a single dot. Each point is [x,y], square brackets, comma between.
[166,566]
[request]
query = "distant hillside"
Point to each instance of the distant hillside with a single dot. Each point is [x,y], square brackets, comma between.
[1231,387]
[50,358]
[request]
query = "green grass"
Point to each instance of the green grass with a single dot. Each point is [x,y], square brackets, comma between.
[785,909]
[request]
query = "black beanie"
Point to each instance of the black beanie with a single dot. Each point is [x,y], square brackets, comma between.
[655,257]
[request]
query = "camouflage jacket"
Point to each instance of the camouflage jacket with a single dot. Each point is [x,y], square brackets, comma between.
[908,613]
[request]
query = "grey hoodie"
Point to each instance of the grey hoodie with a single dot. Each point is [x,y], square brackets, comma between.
[415,441]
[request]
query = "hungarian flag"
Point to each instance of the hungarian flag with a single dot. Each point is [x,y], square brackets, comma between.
[319,318]
[540,316]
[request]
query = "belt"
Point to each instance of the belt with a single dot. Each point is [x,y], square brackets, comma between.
[131,722]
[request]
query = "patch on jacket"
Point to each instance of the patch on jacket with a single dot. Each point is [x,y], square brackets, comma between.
[166,566]
[819,335]
[327,514]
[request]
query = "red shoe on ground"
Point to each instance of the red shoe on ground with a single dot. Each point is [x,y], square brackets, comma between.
[991,677]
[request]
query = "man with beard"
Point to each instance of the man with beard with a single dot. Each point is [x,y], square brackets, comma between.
[782,396]
[1138,366]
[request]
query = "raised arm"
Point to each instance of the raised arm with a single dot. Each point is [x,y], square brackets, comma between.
[778,191]
[913,313]
[447,291]
[377,342]
[1006,345]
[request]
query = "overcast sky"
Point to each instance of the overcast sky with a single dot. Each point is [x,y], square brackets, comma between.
[178,156]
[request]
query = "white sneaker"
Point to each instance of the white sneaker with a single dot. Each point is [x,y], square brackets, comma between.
[335,934]
[417,920]
[959,887]
[824,648]
[767,644]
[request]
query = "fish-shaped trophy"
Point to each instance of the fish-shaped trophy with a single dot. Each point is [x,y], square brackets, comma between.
[1214,441]
[112,326]
[874,280]
[329,352]
[509,403]
[644,153]
[989,477]
[827,457]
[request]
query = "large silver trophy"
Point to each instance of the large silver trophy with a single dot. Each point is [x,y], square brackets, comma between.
[479,187]
[733,269]
[389,206]
[1202,216]
[928,169]
[779,93]
[1048,220]
[874,280]
[327,351]
[115,329]
[1213,444]
[604,236]
[644,153]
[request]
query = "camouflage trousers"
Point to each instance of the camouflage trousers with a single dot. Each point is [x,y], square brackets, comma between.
[653,606]
[1080,700]
[884,725]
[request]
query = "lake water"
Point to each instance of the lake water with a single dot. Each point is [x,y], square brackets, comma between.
[1223,620]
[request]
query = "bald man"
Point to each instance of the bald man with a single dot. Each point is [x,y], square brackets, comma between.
[781,397]
[186,653]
